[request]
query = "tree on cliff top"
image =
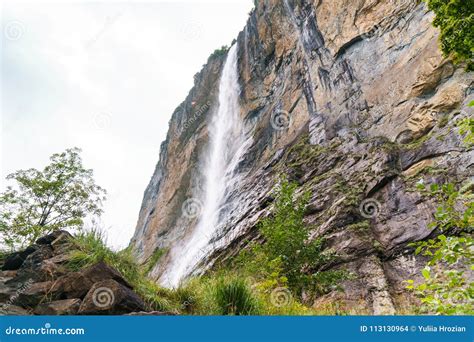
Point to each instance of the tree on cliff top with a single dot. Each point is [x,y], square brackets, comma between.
[61,196]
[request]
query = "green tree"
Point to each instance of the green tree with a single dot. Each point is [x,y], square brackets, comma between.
[455,19]
[447,287]
[289,249]
[467,128]
[60,196]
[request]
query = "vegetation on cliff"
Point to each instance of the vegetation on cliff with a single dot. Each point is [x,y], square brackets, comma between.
[64,194]
[449,290]
[448,287]
[271,277]
[289,256]
[287,268]
[455,19]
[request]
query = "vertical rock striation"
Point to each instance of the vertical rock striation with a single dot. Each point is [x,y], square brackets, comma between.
[354,101]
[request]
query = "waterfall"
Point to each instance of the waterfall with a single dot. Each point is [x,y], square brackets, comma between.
[227,144]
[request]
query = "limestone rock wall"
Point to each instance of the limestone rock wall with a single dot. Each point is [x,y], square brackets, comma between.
[354,101]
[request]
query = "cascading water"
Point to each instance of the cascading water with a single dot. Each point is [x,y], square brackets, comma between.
[227,144]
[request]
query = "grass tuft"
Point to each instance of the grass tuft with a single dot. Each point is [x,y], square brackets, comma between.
[221,292]
[91,247]
[233,296]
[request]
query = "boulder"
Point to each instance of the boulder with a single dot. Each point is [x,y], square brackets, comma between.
[110,297]
[50,238]
[6,293]
[72,285]
[35,294]
[59,307]
[13,310]
[62,244]
[77,284]
[102,271]
[7,275]
[35,259]
[37,280]
[33,267]
[14,260]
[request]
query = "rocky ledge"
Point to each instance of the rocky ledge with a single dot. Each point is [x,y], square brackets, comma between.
[37,281]
[354,101]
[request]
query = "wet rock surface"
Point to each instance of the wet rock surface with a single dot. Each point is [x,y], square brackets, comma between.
[369,108]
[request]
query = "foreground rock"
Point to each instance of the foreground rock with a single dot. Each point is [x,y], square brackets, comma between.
[37,281]
[111,298]
[59,307]
[77,284]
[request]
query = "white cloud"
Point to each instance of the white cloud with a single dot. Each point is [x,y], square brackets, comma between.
[106,77]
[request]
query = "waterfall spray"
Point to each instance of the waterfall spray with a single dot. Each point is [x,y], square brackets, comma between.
[227,144]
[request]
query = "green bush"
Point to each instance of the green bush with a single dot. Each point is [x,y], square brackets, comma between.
[219,52]
[288,243]
[288,258]
[447,288]
[455,19]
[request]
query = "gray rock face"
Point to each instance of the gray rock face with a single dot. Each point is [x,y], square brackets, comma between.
[369,107]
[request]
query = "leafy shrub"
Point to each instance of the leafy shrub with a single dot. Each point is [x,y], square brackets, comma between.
[288,258]
[219,52]
[467,129]
[447,287]
[288,242]
[455,19]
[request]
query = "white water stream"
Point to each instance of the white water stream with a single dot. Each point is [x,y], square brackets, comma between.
[227,144]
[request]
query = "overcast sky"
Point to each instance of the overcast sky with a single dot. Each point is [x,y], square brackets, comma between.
[105,77]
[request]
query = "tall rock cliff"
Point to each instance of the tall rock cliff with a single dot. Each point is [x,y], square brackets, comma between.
[354,101]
